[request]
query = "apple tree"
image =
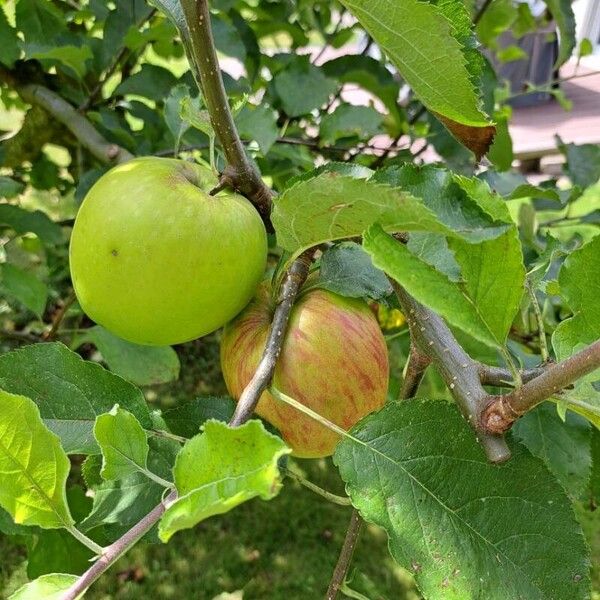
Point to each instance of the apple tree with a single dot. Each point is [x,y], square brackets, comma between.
[339,204]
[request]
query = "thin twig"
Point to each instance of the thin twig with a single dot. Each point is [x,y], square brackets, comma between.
[416,365]
[539,320]
[294,279]
[59,316]
[113,552]
[65,113]
[502,411]
[313,487]
[501,377]
[240,172]
[343,563]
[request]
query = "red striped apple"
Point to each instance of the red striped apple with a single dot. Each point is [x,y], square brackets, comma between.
[156,260]
[334,361]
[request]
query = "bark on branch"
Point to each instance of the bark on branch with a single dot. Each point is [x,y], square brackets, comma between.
[87,135]
[240,173]
[433,338]
[292,283]
[502,411]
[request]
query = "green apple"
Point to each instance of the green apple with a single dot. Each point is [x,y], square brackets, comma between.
[156,260]
[334,360]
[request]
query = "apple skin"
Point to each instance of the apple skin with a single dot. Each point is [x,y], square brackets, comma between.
[156,260]
[334,360]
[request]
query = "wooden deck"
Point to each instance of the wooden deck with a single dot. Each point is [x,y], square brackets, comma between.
[533,129]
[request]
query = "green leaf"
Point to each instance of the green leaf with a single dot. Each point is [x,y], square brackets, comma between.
[399,29]
[432,248]
[258,123]
[579,281]
[187,418]
[33,466]
[470,304]
[346,269]
[123,443]
[24,221]
[463,527]
[349,120]
[151,81]
[221,468]
[332,206]
[493,278]
[370,74]
[563,446]
[190,112]
[120,504]
[455,200]
[48,587]
[583,163]
[9,49]
[585,48]
[142,365]
[562,13]
[69,391]
[25,287]
[57,550]
[293,83]
[9,188]
[74,57]
[39,21]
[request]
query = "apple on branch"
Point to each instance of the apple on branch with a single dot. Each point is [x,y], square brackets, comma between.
[333,360]
[157,260]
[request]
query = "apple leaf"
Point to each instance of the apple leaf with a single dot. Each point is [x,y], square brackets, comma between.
[463,527]
[562,13]
[370,74]
[119,504]
[258,123]
[346,269]
[123,444]
[25,287]
[70,392]
[142,365]
[25,221]
[579,281]
[49,587]
[292,83]
[9,52]
[185,420]
[33,466]
[563,446]
[443,72]
[331,206]
[221,468]
[466,304]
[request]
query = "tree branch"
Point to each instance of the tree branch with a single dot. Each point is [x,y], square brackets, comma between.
[240,172]
[113,552]
[62,111]
[294,279]
[501,377]
[416,365]
[502,411]
[459,371]
[343,563]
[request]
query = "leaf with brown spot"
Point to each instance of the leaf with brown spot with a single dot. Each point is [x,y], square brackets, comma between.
[476,139]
